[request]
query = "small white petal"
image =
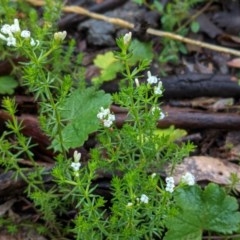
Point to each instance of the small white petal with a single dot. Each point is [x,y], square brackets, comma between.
[188,178]
[151,79]
[75,165]
[158,89]
[137,82]
[162,116]
[11,41]
[127,38]
[15,26]
[169,180]
[25,34]
[170,184]
[107,123]
[76,156]
[144,198]
[153,175]
[60,35]
[6,29]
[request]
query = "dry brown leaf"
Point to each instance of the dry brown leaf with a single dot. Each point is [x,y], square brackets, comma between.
[235,63]
[208,169]
[6,206]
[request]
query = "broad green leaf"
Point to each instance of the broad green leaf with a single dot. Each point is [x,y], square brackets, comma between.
[174,134]
[103,61]
[140,50]
[80,110]
[109,66]
[7,85]
[210,209]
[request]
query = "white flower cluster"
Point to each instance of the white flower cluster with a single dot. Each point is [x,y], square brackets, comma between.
[158,109]
[8,34]
[76,163]
[153,80]
[169,184]
[188,178]
[144,198]
[106,117]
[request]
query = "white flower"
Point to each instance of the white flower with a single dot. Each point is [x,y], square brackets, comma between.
[15,26]
[75,166]
[158,89]
[106,117]
[129,204]
[76,156]
[25,34]
[11,41]
[60,35]
[151,79]
[137,82]
[153,175]
[103,113]
[188,178]
[6,29]
[158,110]
[144,198]
[34,43]
[162,116]
[127,38]
[170,184]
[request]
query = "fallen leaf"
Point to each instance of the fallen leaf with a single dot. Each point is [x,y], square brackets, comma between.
[208,169]
[235,63]
[6,206]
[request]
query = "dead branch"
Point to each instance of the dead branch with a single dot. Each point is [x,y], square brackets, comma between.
[130,26]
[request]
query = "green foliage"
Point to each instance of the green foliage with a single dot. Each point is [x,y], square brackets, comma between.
[140,205]
[80,110]
[172,132]
[198,210]
[195,26]
[173,16]
[110,66]
[140,50]
[155,4]
[7,85]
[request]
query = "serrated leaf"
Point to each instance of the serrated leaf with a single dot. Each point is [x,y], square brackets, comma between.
[103,61]
[172,132]
[80,110]
[7,85]
[140,50]
[109,67]
[210,209]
